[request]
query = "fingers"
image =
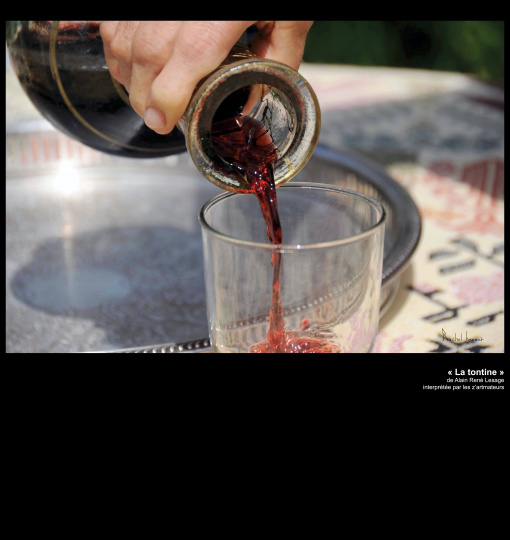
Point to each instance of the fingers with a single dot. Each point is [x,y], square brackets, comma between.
[121,48]
[118,36]
[107,31]
[199,48]
[283,41]
[161,62]
[136,52]
[153,45]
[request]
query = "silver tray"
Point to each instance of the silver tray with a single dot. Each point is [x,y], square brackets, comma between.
[104,253]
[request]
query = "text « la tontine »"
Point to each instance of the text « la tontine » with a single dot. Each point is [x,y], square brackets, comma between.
[477,375]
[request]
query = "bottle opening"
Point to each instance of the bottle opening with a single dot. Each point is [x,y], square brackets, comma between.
[252,117]
[271,93]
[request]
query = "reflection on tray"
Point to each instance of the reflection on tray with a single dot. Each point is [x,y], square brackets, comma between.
[118,263]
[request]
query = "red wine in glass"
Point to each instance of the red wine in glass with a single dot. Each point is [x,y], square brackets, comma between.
[245,144]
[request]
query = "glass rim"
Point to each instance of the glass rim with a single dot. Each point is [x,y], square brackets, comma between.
[295,247]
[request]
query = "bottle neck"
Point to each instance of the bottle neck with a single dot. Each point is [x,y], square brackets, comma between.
[280,98]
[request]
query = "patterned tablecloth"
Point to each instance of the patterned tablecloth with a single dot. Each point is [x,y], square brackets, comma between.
[441,136]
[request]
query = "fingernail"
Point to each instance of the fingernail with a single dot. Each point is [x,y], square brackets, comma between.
[154,118]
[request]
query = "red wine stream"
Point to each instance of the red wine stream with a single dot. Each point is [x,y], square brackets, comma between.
[245,144]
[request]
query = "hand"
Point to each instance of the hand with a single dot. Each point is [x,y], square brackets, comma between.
[161,62]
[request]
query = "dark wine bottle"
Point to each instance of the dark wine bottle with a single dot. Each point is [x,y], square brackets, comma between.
[62,67]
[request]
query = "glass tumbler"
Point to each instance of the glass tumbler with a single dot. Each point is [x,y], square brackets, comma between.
[330,270]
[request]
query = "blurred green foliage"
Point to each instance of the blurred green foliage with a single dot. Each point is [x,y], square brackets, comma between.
[474,47]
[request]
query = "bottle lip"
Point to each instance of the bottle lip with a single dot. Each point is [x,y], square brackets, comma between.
[237,75]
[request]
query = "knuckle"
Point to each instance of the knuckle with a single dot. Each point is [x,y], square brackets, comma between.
[107,30]
[193,45]
[116,49]
[161,93]
[147,52]
[120,49]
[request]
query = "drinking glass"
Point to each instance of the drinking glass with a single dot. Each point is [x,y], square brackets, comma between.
[331,269]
